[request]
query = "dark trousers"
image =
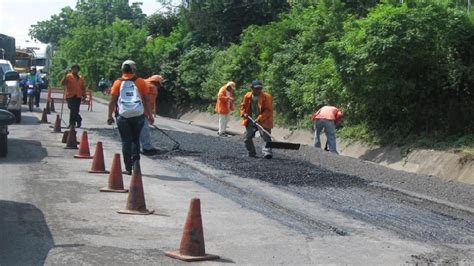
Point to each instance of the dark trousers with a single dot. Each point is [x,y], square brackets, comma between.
[74,104]
[130,129]
[37,97]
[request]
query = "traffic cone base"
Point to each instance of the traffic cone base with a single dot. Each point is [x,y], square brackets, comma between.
[142,212]
[98,171]
[78,156]
[177,255]
[106,189]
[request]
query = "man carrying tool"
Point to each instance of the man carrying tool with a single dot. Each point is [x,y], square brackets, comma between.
[154,82]
[225,105]
[130,95]
[74,94]
[257,106]
[326,117]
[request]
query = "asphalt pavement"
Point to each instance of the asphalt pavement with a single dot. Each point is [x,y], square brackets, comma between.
[301,207]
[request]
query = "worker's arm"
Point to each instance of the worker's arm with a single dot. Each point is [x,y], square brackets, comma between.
[267,109]
[64,79]
[243,107]
[112,106]
[148,113]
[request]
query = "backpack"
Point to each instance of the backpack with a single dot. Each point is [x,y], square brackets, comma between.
[130,103]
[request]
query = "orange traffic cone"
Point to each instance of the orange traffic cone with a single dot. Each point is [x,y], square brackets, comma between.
[136,198]
[48,109]
[115,177]
[44,117]
[84,152]
[71,142]
[192,243]
[98,165]
[65,134]
[57,125]
[52,106]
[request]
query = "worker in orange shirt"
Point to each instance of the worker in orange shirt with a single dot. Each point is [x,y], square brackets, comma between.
[326,117]
[259,106]
[129,95]
[154,82]
[225,105]
[75,92]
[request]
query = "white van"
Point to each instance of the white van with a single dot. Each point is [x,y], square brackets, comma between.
[43,55]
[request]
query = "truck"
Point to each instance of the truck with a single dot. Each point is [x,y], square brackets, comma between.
[7,48]
[42,55]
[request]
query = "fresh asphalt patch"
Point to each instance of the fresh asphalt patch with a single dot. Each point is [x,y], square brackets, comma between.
[338,183]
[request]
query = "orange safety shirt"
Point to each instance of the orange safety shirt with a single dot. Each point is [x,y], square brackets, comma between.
[139,82]
[152,94]
[329,113]
[224,104]
[74,86]
[265,106]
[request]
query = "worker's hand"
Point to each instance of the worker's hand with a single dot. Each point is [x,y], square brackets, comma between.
[110,121]
[245,115]
[67,72]
[151,119]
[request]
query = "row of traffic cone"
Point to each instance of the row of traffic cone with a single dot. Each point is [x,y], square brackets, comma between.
[192,247]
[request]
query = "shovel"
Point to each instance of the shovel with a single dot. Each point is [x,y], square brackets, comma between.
[275,144]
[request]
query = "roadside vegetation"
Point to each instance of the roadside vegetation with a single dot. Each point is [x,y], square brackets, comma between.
[403,73]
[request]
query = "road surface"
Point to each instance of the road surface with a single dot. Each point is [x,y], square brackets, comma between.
[302,207]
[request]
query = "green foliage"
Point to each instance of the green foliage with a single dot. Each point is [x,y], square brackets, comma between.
[407,70]
[399,71]
[193,70]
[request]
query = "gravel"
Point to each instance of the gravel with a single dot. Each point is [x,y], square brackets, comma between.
[341,183]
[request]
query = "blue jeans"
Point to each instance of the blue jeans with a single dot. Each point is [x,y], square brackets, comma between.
[329,127]
[130,129]
[145,136]
[250,131]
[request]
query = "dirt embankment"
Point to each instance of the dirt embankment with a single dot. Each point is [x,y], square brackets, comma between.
[447,165]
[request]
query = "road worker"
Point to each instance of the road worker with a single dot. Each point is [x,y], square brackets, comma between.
[257,105]
[224,106]
[326,117]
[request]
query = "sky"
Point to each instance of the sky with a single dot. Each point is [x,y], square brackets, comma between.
[16,16]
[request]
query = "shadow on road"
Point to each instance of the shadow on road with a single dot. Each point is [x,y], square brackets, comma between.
[25,238]
[23,151]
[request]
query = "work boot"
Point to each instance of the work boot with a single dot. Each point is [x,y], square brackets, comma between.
[78,124]
[127,172]
[267,156]
[150,152]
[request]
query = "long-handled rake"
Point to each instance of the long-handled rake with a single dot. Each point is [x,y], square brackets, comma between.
[176,143]
[275,144]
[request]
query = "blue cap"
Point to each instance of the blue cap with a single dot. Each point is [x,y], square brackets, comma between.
[256,84]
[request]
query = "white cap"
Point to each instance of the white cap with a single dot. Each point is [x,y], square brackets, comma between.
[131,63]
